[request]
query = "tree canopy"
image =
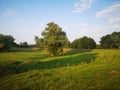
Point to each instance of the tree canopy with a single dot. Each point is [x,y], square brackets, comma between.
[6,42]
[39,42]
[111,40]
[24,44]
[54,39]
[83,43]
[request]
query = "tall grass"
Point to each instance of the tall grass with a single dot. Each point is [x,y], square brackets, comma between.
[76,70]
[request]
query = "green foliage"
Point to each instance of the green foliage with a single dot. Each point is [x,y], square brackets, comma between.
[54,39]
[39,42]
[24,44]
[98,46]
[77,70]
[6,42]
[75,43]
[84,43]
[116,39]
[111,40]
[106,42]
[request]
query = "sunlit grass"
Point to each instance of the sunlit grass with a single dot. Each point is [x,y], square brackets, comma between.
[76,70]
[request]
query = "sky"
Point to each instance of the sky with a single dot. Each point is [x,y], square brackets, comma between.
[24,19]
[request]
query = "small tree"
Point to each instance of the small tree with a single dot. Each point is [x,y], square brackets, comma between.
[6,42]
[39,42]
[54,38]
[24,44]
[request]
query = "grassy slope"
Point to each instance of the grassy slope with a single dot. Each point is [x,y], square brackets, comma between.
[77,70]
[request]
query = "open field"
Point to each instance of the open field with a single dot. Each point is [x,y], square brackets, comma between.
[33,69]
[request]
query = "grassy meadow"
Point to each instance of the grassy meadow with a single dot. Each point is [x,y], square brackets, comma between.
[34,69]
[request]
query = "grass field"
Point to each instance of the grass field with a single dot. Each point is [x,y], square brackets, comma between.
[33,69]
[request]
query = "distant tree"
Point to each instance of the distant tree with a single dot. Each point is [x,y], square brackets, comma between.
[87,43]
[16,45]
[24,44]
[36,40]
[6,42]
[115,36]
[91,43]
[84,43]
[54,38]
[98,46]
[110,40]
[107,42]
[67,44]
[39,42]
[75,44]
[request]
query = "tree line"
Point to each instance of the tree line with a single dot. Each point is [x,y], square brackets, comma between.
[7,41]
[54,39]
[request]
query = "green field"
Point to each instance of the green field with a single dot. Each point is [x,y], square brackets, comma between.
[34,69]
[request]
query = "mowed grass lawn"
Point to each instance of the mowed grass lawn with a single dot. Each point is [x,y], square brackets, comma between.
[33,69]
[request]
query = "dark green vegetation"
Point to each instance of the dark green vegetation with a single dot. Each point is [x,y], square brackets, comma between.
[6,42]
[54,39]
[39,42]
[24,44]
[83,43]
[111,40]
[33,69]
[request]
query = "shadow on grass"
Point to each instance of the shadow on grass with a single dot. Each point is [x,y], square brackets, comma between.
[10,67]
[57,62]
[76,51]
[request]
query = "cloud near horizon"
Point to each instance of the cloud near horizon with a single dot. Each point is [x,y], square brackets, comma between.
[93,31]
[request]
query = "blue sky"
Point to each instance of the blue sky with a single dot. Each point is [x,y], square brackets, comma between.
[23,19]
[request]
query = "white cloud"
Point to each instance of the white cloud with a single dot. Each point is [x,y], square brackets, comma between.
[94,31]
[82,5]
[9,12]
[114,20]
[116,27]
[73,31]
[110,11]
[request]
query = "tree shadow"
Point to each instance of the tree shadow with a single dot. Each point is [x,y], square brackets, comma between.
[72,60]
[10,67]
[17,67]
[76,51]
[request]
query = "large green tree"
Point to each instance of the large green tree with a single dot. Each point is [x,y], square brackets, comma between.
[54,39]
[6,42]
[110,40]
[107,42]
[84,43]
